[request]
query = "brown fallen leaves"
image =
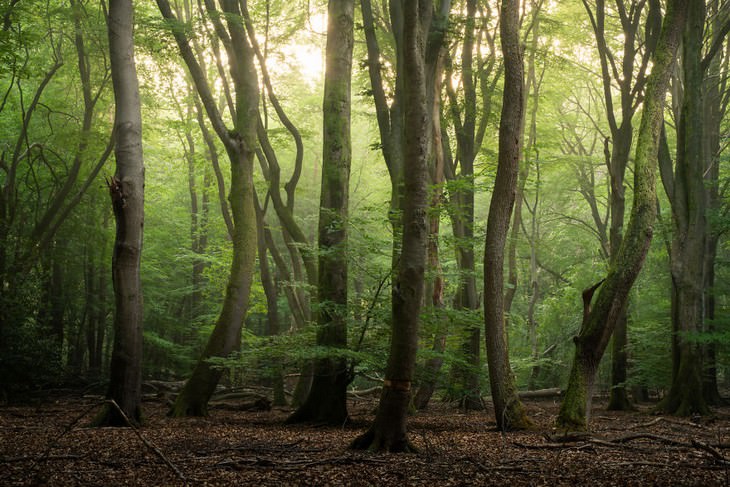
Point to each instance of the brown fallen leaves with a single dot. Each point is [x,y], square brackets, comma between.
[49,444]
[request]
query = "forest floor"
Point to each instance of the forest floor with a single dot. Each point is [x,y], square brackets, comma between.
[50,443]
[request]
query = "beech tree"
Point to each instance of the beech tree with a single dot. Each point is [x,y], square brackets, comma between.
[689,191]
[508,409]
[327,398]
[600,317]
[388,431]
[627,70]
[126,189]
[240,144]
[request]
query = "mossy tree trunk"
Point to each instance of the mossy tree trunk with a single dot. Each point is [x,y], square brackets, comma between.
[127,193]
[240,144]
[629,78]
[688,199]
[327,398]
[388,432]
[508,409]
[600,319]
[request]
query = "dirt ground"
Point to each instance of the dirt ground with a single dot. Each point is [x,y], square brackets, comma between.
[51,444]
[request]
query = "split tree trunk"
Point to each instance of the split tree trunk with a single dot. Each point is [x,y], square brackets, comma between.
[690,228]
[240,144]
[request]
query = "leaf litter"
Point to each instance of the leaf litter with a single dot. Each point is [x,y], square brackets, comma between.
[51,444]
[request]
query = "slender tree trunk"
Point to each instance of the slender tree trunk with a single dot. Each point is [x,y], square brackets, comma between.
[599,320]
[327,398]
[127,194]
[240,144]
[388,432]
[508,409]
[467,377]
[272,307]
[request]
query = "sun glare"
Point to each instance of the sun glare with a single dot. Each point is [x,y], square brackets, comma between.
[305,54]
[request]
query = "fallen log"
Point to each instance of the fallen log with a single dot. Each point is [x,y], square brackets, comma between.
[541,393]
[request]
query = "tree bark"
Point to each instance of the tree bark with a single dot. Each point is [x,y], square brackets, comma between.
[599,321]
[508,409]
[127,194]
[687,256]
[388,432]
[240,144]
[466,377]
[327,398]
[714,111]
[630,80]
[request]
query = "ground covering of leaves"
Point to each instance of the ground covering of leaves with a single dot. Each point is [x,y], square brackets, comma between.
[50,444]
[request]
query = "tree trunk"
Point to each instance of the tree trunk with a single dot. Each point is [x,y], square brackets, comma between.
[434,287]
[127,194]
[327,398]
[689,243]
[388,432]
[508,409]
[714,111]
[466,378]
[240,145]
[598,322]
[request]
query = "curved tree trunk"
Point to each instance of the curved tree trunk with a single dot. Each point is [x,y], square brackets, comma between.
[127,193]
[327,398]
[599,321]
[508,409]
[240,145]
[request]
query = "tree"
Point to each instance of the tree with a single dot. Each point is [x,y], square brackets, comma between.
[126,189]
[631,80]
[388,432]
[688,198]
[714,64]
[599,319]
[240,144]
[55,146]
[327,398]
[508,409]
[470,124]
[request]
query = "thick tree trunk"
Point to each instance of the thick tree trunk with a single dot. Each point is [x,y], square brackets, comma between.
[127,193]
[434,287]
[508,409]
[713,114]
[687,256]
[598,322]
[327,398]
[388,432]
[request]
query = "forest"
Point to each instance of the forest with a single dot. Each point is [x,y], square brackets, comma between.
[395,242]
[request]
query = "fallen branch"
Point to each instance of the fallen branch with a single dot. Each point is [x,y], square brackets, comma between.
[296,464]
[713,452]
[149,444]
[649,436]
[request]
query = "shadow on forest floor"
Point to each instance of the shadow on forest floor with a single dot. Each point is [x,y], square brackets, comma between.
[45,445]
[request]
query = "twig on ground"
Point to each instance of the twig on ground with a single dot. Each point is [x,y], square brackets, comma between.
[147,442]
